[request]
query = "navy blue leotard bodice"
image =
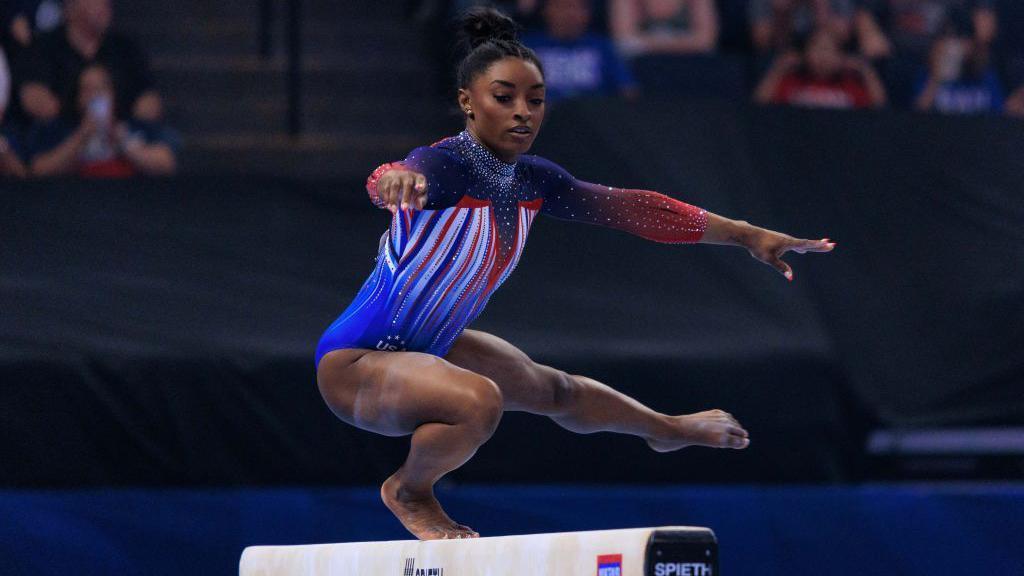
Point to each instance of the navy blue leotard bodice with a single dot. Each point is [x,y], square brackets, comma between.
[437,267]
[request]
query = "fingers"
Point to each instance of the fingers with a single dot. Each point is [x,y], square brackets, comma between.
[421,190]
[782,267]
[406,194]
[404,191]
[823,245]
[386,192]
[801,246]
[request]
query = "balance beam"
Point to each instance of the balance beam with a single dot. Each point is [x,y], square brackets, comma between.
[666,551]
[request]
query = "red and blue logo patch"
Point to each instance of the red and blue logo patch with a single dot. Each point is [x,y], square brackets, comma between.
[609,565]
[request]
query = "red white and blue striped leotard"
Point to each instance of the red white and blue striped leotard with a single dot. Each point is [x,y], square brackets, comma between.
[437,267]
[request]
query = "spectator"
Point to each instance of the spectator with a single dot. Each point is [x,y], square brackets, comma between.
[779,25]
[100,145]
[577,62]
[22,20]
[664,26]
[885,27]
[10,158]
[1015,104]
[50,69]
[822,77]
[959,78]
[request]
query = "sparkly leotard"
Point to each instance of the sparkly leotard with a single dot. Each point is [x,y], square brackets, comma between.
[437,267]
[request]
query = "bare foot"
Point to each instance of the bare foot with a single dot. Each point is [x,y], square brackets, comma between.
[421,514]
[713,428]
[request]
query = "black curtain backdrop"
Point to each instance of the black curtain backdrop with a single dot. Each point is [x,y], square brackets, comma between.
[162,332]
[922,303]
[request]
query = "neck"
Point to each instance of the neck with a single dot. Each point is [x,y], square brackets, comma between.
[504,158]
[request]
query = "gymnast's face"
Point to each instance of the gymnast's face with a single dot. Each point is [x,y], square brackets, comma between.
[506,107]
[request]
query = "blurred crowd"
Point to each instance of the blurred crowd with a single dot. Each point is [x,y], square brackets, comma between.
[942,56]
[76,97]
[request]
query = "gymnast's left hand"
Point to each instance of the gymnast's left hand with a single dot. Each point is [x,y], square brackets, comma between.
[769,246]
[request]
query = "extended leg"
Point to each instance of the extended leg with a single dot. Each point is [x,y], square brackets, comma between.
[449,411]
[584,405]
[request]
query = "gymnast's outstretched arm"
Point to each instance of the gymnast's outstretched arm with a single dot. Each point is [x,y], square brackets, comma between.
[660,218]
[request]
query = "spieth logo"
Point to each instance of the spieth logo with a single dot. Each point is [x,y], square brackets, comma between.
[682,569]
[412,570]
[609,565]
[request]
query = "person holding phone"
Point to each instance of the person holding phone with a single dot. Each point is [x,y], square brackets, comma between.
[101,145]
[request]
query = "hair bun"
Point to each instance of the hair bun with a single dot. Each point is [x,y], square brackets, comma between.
[481,24]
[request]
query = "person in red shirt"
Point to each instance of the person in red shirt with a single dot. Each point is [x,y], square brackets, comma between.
[822,76]
[100,145]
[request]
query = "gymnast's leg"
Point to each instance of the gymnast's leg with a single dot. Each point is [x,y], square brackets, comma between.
[448,410]
[584,405]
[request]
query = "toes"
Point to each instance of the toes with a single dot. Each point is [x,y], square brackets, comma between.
[737,431]
[468,531]
[723,415]
[738,442]
[436,534]
[463,531]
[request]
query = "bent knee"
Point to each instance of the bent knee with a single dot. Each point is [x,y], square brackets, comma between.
[485,403]
[335,383]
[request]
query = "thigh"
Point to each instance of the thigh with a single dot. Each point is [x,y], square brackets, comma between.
[525,385]
[393,393]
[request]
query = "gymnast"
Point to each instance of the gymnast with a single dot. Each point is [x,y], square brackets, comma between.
[400,360]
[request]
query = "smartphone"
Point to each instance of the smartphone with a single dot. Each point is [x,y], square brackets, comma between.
[100,109]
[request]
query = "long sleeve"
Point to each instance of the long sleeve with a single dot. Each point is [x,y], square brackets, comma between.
[643,213]
[446,174]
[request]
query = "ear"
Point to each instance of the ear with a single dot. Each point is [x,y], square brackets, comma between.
[464,99]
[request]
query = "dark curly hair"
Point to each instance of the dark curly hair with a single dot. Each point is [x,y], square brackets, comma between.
[485,36]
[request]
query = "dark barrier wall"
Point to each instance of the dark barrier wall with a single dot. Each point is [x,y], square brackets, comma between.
[162,332]
[923,301]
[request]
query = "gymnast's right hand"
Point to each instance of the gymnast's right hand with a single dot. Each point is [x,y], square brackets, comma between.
[402,189]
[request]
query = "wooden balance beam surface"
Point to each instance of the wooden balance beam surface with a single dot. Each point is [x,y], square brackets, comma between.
[666,551]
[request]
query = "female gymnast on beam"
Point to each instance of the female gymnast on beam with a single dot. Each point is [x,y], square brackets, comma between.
[399,360]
